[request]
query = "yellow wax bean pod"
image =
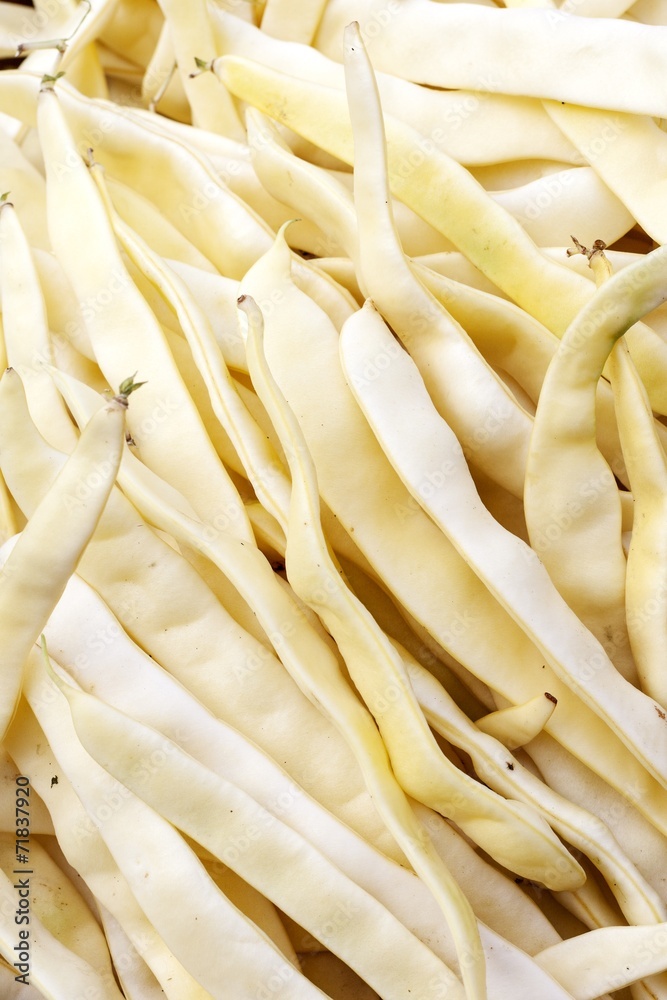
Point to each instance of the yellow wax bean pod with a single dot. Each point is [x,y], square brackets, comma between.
[165,426]
[277,862]
[132,29]
[372,502]
[34,577]
[464,388]
[86,25]
[85,850]
[144,691]
[425,443]
[40,821]
[26,332]
[161,71]
[217,296]
[497,128]
[619,809]
[64,311]
[645,586]
[508,337]
[360,640]
[517,725]
[241,569]
[141,152]
[40,959]
[12,990]
[399,819]
[552,37]
[8,518]
[513,341]
[182,625]
[192,38]
[610,145]
[261,463]
[292,102]
[636,897]
[546,205]
[26,186]
[206,933]
[57,904]
[607,959]
[293,22]
[498,245]
[251,902]
[571,500]
[136,979]
[140,213]
[306,188]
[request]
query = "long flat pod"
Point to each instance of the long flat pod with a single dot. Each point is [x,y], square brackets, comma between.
[123,329]
[400,963]
[379,674]
[464,387]
[571,502]
[527,52]
[425,443]
[607,959]
[513,341]
[34,577]
[209,935]
[276,860]
[190,29]
[260,461]
[371,500]
[41,959]
[497,244]
[169,611]
[417,440]
[637,898]
[85,850]
[497,128]
[645,584]
[122,675]
[26,330]
[611,146]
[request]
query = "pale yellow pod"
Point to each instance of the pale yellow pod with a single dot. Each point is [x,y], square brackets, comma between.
[161,70]
[498,245]
[517,725]
[192,37]
[85,850]
[26,332]
[39,958]
[136,979]
[54,900]
[132,29]
[471,127]
[140,213]
[154,858]
[501,38]
[183,626]
[295,22]
[26,187]
[465,390]
[645,586]
[259,460]
[610,143]
[165,424]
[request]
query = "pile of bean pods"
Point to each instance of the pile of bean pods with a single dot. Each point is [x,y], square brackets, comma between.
[333,500]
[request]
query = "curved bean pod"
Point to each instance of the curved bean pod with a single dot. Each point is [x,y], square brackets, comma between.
[34,577]
[464,388]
